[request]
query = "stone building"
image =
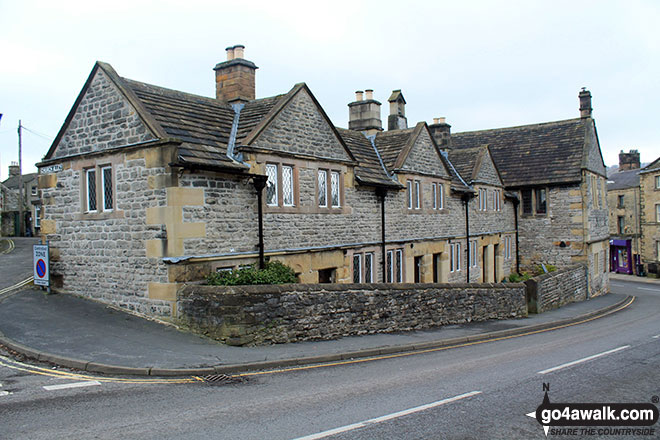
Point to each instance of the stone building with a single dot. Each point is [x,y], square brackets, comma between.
[649,182]
[9,208]
[558,173]
[623,201]
[146,188]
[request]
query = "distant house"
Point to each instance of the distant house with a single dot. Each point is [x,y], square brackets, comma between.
[146,188]
[649,181]
[623,200]
[9,204]
[558,173]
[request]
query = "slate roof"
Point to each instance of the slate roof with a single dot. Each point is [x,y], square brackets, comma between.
[369,169]
[12,182]
[203,124]
[546,153]
[465,160]
[623,180]
[390,143]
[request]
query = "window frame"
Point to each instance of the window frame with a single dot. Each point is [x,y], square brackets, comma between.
[621,224]
[276,182]
[88,192]
[657,182]
[103,188]
[37,216]
[293,188]
[418,195]
[537,203]
[360,268]
[620,201]
[332,189]
[530,193]
[324,192]
[409,191]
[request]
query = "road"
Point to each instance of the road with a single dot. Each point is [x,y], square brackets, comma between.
[478,391]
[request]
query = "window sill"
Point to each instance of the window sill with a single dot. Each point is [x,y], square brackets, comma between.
[103,215]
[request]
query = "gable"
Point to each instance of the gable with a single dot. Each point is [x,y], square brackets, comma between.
[486,172]
[302,128]
[593,159]
[423,157]
[102,118]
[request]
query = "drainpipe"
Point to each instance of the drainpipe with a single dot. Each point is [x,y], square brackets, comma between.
[381,193]
[515,222]
[259,185]
[466,200]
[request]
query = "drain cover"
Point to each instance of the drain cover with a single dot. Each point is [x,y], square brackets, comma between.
[222,379]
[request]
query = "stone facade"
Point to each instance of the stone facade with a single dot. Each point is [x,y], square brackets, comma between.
[292,313]
[103,119]
[555,289]
[649,179]
[160,218]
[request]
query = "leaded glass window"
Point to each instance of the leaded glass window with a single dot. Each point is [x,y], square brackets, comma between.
[287,186]
[399,266]
[369,268]
[323,188]
[390,272]
[334,189]
[106,173]
[357,268]
[91,190]
[409,193]
[271,185]
[541,204]
[418,194]
[434,190]
[441,200]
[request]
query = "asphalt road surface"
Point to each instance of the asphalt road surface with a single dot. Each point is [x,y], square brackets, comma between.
[482,391]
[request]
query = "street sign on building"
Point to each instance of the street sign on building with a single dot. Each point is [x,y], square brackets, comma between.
[41,265]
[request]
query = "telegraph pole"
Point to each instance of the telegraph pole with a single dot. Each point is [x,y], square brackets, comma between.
[21,220]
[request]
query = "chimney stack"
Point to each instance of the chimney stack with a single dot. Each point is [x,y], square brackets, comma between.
[629,161]
[364,115]
[397,119]
[13,169]
[585,103]
[235,78]
[441,132]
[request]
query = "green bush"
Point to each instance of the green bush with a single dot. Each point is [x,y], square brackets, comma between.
[274,272]
[519,277]
[538,270]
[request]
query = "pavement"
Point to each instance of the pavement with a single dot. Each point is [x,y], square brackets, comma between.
[82,334]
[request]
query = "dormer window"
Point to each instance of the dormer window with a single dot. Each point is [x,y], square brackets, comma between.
[280,189]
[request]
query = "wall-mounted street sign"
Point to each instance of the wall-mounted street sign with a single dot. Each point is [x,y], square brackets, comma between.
[41,265]
[50,169]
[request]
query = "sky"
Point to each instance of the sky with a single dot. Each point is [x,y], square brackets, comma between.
[480,64]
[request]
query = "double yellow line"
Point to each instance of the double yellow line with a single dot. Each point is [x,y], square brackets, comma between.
[25,282]
[20,366]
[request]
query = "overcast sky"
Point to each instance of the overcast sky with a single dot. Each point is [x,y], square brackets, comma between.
[480,64]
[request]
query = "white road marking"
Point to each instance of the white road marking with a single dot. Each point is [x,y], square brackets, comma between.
[656,336]
[4,393]
[647,288]
[64,386]
[387,417]
[579,361]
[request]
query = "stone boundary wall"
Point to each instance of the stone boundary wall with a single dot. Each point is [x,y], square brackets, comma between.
[239,315]
[555,289]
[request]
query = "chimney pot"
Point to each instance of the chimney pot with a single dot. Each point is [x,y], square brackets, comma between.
[239,51]
[235,78]
[585,103]
[369,93]
[358,95]
[442,120]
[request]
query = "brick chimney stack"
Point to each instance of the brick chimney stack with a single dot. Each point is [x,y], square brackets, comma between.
[585,103]
[397,119]
[441,132]
[364,114]
[13,169]
[629,161]
[235,78]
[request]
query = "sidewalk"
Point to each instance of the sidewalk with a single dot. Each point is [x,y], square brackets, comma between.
[78,333]
[634,278]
